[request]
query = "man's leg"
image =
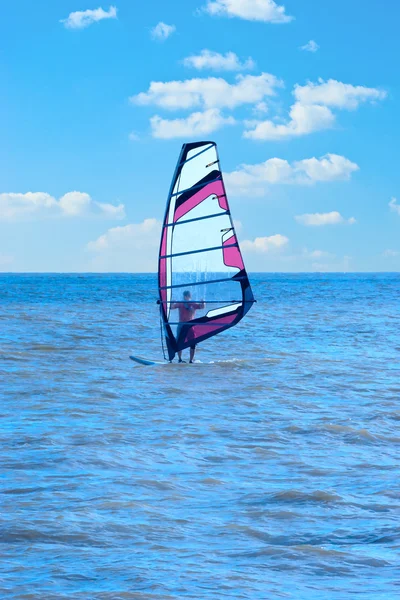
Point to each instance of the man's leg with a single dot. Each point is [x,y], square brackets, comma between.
[178,333]
[192,353]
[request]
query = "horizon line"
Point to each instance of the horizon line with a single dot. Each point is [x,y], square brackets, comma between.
[155,272]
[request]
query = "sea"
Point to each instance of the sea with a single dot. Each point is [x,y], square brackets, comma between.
[268,469]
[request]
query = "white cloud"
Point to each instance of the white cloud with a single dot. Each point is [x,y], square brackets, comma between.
[303,120]
[267,11]
[260,109]
[317,254]
[394,206]
[212,92]
[321,219]
[336,94]
[111,211]
[311,46]
[207,59]
[312,260]
[196,124]
[162,31]
[74,203]
[136,236]
[331,167]
[277,254]
[265,244]
[312,110]
[82,19]
[390,253]
[15,206]
[132,248]
[254,179]
[134,137]
[316,261]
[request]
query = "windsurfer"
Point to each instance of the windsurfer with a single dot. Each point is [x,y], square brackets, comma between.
[187,311]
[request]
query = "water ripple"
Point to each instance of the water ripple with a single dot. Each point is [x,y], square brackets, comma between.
[268,469]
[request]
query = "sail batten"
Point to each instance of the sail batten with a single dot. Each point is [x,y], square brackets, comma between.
[195,187]
[200,262]
[225,302]
[196,155]
[199,251]
[197,219]
[190,284]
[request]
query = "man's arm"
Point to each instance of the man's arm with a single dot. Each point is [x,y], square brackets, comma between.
[174,305]
[200,306]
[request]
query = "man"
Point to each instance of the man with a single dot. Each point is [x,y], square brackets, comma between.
[187,311]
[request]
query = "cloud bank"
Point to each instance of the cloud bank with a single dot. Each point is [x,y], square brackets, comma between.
[162,31]
[311,46]
[132,248]
[265,245]
[255,179]
[321,219]
[207,59]
[266,11]
[83,18]
[14,206]
[311,110]
[196,124]
[211,92]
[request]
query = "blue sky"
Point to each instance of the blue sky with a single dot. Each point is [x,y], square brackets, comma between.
[91,126]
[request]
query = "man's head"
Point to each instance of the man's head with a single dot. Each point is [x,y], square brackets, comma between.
[187,295]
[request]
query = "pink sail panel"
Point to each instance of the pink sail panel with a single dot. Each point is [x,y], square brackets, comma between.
[197,331]
[163,267]
[222,199]
[215,188]
[232,256]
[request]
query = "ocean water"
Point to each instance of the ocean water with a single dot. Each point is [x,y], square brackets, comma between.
[270,469]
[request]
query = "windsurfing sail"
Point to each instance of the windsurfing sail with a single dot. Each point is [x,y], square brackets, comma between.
[199,253]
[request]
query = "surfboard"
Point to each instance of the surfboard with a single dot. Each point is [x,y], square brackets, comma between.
[145,361]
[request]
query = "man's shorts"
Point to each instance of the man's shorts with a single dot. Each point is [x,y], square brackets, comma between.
[190,335]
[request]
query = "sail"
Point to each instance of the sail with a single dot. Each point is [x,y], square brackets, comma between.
[199,253]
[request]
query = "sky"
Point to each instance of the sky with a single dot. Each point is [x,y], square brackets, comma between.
[97,99]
